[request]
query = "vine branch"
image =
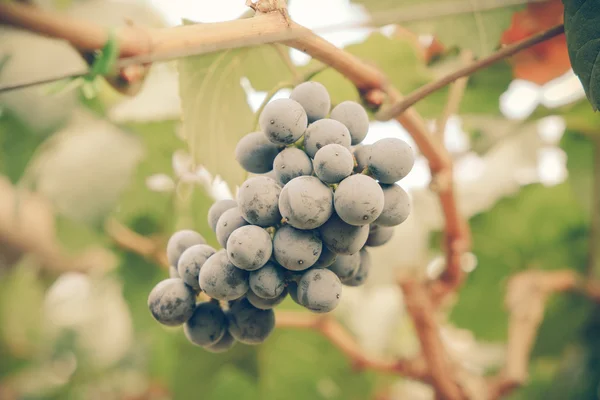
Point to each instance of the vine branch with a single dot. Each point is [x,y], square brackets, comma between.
[527,294]
[455,95]
[425,90]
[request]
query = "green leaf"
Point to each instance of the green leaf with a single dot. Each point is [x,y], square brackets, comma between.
[216,113]
[299,365]
[472,24]
[582,29]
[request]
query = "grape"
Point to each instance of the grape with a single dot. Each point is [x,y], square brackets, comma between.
[333,163]
[227,223]
[172,302]
[361,155]
[249,247]
[257,199]
[265,304]
[226,343]
[295,249]
[358,200]
[354,117]
[305,202]
[173,272]
[191,261]
[267,282]
[217,209]
[256,153]
[345,266]
[313,97]
[179,242]
[283,121]
[319,290]
[222,280]
[341,237]
[396,206]
[326,258]
[379,235]
[249,324]
[291,163]
[363,271]
[207,325]
[324,132]
[293,291]
[390,160]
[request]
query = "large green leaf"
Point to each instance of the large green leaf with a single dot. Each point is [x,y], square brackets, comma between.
[470,24]
[582,28]
[216,113]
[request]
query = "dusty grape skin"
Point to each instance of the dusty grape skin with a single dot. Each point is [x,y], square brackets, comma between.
[379,235]
[354,117]
[172,302]
[191,261]
[390,160]
[291,163]
[255,153]
[173,272]
[283,121]
[323,132]
[396,206]
[267,282]
[226,343]
[363,271]
[358,200]
[248,324]
[293,292]
[314,98]
[305,202]
[179,242]
[265,304]
[222,280]
[228,222]
[326,258]
[333,163]
[296,249]
[361,154]
[217,209]
[258,200]
[343,238]
[207,325]
[346,266]
[320,290]
[249,247]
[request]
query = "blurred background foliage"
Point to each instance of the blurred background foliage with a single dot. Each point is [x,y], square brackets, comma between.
[73,316]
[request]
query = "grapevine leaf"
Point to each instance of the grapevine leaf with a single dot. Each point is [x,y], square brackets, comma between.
[470,24]
[582,29]
[216,113]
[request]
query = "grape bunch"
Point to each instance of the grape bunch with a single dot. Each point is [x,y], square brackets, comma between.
[300,226]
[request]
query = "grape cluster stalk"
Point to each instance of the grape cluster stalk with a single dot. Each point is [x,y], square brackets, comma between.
[300,226]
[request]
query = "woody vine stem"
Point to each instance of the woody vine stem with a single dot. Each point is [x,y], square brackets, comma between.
[424,299]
